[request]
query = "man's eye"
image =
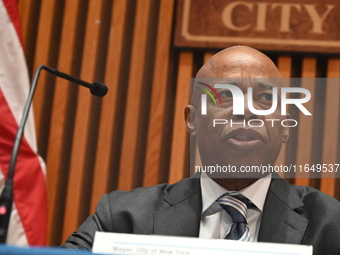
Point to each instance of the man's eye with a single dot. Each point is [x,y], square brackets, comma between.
[267,96]
[226,93]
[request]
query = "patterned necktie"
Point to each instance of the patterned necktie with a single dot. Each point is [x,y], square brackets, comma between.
[236,206]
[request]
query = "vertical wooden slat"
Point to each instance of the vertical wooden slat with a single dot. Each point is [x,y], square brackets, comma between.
[82,136]
[58,142]
[105,148]
[45,40]
[284,65]
[29,18]
[207,56]
[180,135]
[158,96]
[133,106]
[331,125]
[305,126]
[25,12]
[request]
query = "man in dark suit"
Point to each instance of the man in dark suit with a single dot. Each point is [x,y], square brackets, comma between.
[277,212]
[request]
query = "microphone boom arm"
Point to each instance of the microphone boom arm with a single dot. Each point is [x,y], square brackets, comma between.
[6,198]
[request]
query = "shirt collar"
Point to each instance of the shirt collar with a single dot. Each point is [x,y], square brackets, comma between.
[256,192]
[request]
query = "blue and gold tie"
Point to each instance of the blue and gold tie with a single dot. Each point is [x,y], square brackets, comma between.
[236,206]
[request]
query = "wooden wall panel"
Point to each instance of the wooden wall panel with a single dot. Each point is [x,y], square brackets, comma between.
[155,133]
[305,127]
[136,135]
[108,145]
[330,153]
[134,105]
[284,65]
[62,119]
[29,26]
[85,132]
[180,135]
[45,52]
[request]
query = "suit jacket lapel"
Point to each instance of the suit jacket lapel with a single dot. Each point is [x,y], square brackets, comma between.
[281,221]
[182,212]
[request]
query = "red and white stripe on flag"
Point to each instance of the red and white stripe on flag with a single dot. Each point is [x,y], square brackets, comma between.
[29,215]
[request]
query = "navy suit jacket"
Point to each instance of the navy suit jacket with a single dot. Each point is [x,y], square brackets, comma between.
[291,214]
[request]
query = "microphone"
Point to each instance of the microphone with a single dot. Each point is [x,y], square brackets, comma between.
[97,88]
[6,199]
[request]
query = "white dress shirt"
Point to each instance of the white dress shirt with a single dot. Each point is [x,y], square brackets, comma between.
[215,222]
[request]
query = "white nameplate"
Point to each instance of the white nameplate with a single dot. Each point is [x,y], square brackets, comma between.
[113,243]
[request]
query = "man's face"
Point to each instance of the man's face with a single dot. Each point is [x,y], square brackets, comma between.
[232,143]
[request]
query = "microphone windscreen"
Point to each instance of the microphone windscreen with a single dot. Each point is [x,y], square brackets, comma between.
[98,89]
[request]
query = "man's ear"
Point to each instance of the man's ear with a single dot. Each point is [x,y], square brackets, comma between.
[190,117]
[286,130]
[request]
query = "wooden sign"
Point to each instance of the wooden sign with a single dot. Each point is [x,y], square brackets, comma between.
[284,25]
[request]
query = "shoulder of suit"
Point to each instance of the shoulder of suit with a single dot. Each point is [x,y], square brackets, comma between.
[151,194]
[318,200]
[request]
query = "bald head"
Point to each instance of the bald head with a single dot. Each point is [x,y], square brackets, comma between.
[238,59]
[237,64]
